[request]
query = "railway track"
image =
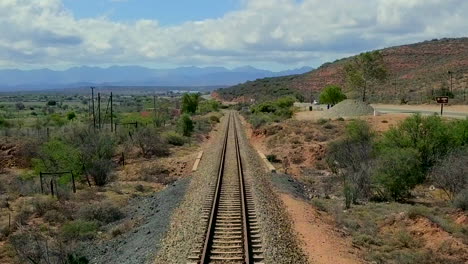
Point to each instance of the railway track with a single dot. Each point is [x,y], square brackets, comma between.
[232,233]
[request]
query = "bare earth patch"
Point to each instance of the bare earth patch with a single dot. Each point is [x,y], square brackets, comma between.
[320,239]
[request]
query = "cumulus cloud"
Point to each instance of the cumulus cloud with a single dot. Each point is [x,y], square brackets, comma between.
[273,32]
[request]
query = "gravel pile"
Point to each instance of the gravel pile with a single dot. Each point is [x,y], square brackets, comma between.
[280,243]
[349,108]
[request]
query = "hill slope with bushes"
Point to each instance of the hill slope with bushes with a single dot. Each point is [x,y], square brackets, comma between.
[417,72]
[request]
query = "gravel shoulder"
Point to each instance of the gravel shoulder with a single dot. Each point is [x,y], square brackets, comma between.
[140,244]
[280,241]
[185,228]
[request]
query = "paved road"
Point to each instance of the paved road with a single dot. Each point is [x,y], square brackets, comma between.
[459,115]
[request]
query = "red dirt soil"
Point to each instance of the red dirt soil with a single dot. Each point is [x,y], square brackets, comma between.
[322,243]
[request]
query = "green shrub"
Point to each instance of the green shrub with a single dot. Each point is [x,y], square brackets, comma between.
[71,116]
[461,200]
[417,211]
[79,229]
[207,106]
[185,125]
[259,120]
[398,171]
[214,119]
[322,121]
[175,139]
[429,136]
[272,158]
[359,130]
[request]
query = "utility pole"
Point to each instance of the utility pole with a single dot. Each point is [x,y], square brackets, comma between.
[451,82]
[112,115]
[94,114]
[154,110]
[99,109]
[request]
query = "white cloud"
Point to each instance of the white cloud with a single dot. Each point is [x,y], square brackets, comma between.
[274,32]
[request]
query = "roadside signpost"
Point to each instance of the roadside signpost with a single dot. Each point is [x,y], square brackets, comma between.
[442,100]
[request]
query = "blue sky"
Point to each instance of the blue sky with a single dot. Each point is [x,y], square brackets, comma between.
[167,12]
[269,34]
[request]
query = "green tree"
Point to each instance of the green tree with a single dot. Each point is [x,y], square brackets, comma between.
[332,95]
[71,115]
[190,103]
[365,70]
[57,156]
[185,125]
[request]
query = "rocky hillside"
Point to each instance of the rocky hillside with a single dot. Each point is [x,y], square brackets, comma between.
[416,72]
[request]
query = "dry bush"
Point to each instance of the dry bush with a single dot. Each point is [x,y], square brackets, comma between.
[23,215]
[297,158]
[156,174]
[42,204]
[451,173]
[150,143]
[26,150]
[54,216]
[123,228]
[103,212]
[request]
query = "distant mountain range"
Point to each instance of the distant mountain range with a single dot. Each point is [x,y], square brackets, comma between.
[21,80]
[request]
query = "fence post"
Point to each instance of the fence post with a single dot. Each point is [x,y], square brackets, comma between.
[42,186]
[52,187]
[73,182]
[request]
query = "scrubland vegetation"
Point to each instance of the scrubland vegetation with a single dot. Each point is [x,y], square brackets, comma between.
[401,195]
[42,219]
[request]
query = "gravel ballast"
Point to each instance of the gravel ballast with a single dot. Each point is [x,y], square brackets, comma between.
[349,108]
[279,241]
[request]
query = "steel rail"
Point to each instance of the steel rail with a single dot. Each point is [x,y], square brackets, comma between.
[214,209]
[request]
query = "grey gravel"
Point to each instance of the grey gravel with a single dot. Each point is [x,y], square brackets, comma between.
[349,108]
[140,244]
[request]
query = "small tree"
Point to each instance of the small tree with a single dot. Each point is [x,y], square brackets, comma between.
[351,158]
[20,106]
[451,173]
[190,103]
[185,125]
[332,95]
[365,70]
